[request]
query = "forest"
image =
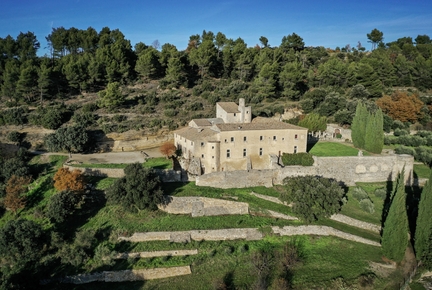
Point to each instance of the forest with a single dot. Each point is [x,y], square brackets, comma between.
[396,75]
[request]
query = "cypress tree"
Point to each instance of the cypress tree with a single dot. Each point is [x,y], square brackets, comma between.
[423,226]
[358,126]
[374,139]
[395,232]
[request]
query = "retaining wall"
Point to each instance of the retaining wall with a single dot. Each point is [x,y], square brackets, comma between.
[165,175]
[346,169]
[203,206]
[153,254]
[128,275]
[197,235]
[321,231]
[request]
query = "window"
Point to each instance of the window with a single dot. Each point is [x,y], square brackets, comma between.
[260,152]
[228,153]
[212,147]
[191,143]
[212,157]
[232,139]
[295,149]
[226,141]
[296,136]
[261,138]
[244,152]
[202,144]
[202,156]
[274,138]
[283,139]
[234,114]
[244,138]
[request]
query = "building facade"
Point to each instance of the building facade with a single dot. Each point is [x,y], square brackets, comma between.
[233,141]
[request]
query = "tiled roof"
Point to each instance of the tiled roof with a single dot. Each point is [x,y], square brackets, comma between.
[194,134]
[229,107]
[258,124]
[202,122]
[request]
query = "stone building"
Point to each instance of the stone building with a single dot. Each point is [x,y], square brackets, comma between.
[235,141]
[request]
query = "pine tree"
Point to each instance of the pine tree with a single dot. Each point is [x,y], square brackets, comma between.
[358,127]
[424,227]
[395,232]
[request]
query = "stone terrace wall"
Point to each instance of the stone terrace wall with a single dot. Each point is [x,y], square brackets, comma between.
[165,175]
[347,169]
[196,235]
[204,206]
[128,275]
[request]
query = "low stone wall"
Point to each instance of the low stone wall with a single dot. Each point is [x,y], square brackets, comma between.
[321,231]
[249,234]
[355,223]
[128,275]
[346,169]
[165,175]
[203,206]
[172,253]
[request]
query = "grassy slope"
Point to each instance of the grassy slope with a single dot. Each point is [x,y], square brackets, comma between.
[323,148]
[331,257]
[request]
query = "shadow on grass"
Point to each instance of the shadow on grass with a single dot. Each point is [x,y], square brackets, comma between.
[172,188]
[38,195]
[136,285]
[311,142]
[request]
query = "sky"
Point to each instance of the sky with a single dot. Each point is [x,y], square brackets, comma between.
[328,23]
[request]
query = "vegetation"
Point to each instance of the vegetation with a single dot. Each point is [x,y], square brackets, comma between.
[367,129]
[423,233]
[395,230]
[303,159]
[139,189]
[66,180]
[313,197]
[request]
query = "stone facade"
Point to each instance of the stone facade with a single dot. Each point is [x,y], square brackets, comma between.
[233,141]
[346,169]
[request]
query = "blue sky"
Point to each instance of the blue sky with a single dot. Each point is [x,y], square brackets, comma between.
[328,23]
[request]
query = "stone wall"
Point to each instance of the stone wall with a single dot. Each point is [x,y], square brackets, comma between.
[203,206]
[346,169]
[196,235]
[165,175]
[321,231]
[128,275]
[153,254]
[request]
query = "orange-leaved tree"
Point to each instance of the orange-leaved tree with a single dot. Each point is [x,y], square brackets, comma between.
[167,149]
[401,106]
[66,179]
[15,189]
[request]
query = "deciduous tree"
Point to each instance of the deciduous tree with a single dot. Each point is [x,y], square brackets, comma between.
[69,180]
[167,149]
[15,188]
[401,106]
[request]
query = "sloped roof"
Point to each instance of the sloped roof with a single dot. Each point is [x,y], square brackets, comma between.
[194,134]
[258,123]
[229,107]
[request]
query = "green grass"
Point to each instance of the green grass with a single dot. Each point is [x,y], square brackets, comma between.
[352,207]
[158,163]
[421,170]
[323,149]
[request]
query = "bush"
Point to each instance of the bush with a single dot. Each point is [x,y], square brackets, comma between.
[15,116]
[170,113]
[89,107]
[304,159]
[381,193]
[314,197]
[367,205]
[400,132]
[359,194]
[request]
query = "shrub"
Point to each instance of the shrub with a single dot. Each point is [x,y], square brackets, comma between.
[314,197]
[400,132]
[367,205]
[381,193]
[359,194]
[89,107]
[15,116]
[170,113]
[304,159]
